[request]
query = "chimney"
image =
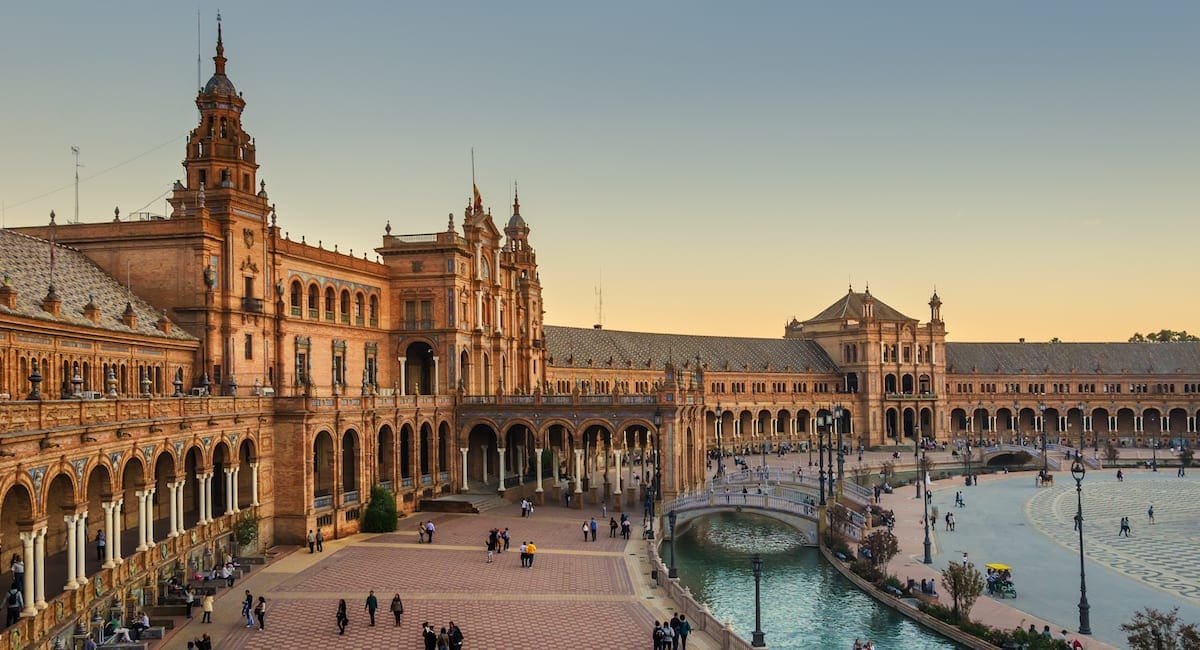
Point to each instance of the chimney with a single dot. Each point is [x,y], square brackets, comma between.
[163,324]
[129,317]
[1021,340]
[51,304]
[91,311]
[8,295]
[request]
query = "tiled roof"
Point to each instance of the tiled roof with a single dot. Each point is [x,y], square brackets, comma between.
[1038,358]
[25,261]
[624,348]
[850,306]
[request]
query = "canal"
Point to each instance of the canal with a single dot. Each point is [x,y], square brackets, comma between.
[805,602]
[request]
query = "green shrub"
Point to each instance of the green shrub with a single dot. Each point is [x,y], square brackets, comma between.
[380,515]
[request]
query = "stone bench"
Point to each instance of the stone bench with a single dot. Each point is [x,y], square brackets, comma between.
[154,633]
[132,645]
[253,559]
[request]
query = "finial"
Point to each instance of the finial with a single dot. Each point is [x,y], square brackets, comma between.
[516,200]
[52,217]
[387,228]
[868,291]
[219,59]
[273,216]
[262,186]
[200,197]
[450,222]
[117,213]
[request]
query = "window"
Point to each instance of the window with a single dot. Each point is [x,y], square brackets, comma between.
[203,177]
[296,298]
[345,306]
[249,343]
[330,299]
[249,287]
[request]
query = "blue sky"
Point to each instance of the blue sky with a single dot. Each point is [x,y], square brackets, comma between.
[723,167]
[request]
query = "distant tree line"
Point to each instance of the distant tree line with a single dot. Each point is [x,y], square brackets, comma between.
[1163,336]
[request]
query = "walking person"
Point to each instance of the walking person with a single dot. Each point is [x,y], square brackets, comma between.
[260,612]
[585,531]
[320,541]
[420,532]
[1150,514]
[189,599]
[342,619]
[14,602]
[429,530]
[505,538]
[17,566]
[248,609]
[456,637]
[206,606]
[491,545]
[685,628]
[443,640]
[530,549]
[429,636]
[371,605]
[101,542]
[612,527]
[397,609]
[592,528]
[524,550]
[312,542]
[1124,527]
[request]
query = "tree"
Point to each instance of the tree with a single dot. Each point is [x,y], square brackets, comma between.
[1151,629]
[883,546]
[887,470]
[1111,453]
[970,457]
[964,584]
[1056,340]
[245,531]
[380,515]
[1163,336]
[836,515]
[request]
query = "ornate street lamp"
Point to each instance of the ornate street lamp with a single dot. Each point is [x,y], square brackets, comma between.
[924,474]
[671,572]
[968,462]
[1042,412]
[720,450]
[1077,472]
[821,420]
[1154,455]
[657,455]
[838,413]
[757,639]
[982,424]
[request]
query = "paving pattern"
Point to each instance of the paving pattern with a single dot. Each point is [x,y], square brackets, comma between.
[1153,554]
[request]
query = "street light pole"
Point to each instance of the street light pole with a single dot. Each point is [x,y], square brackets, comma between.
[671,572]
[657,455]
[757,639]
[1077,473]
[838,412]
[1045,461]
[924,474]
[982,425]
[821,419]
[1154,455]
[720,451]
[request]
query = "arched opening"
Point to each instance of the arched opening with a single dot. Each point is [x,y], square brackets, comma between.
[889,383]
[910,424]
[406,455]
[193,463]
[160,504]
[222,460]
[485,384]
[444,447]
[350,463]
[906,384]
[425,458]
[16,513]
[296,298]
[344,306]
[314,301]
[925,385]
[245,478]
[330,300]
[133,479]
[891,423]
[323,470]
[418,369]
[385,456]
[373,310]
[60,498]
[482,471]
[464,372]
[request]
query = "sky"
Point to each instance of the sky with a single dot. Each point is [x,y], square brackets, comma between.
[709,168]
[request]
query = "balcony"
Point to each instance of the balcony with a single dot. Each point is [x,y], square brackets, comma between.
[296,312]
[387,485]
[416,325]
[426,479]
[323,502]
[314,314]
[253,305]
[900,397]
[350,496]
[406,483]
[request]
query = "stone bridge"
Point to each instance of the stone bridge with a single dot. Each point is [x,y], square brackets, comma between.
[1056,455]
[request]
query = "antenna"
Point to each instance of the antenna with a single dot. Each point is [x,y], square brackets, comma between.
[75,150]
[128,281]
[600,302]
[472,166]
[198,86]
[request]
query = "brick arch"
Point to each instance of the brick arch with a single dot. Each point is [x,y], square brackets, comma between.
[544,430]
[469,425]
[61,468]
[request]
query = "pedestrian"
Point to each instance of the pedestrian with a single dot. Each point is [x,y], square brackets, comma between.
[592,527]
[456,637]
[1150,514]
[674,632]
[1124,527]
[443,640]
[101,542]
[260,612]
[17,566]
[685,628]
[612,527]
[397,609]
[531,550]
[312,541]
[668,636]
[371,605]
[657,636]
[342,619]
[227,574]
[205,642]
[189,599]
[429,636]
[524,550]
[626,528]
[505,538]
[429,530]
[585,531]
[744,493]
[206,606]
[420,532]
[604,509]
[1120,476]
[248,609]
[491,545]
[320,541]
[524,508]
[15,602]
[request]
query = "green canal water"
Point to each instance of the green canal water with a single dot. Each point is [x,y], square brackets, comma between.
[805,602]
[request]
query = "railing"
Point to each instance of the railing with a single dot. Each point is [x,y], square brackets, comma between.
[61,415]
[322,502]
[387,485]
[252,305]
[295,312]
[909,396]
[313,314]
[780,503]
[443,477]
[426,479]
[416,325]
[406,483]
[855,492]
[350,496]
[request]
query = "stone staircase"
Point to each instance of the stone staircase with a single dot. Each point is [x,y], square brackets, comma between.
[462,503]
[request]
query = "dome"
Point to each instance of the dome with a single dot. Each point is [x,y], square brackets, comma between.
[516,222]
[220,85]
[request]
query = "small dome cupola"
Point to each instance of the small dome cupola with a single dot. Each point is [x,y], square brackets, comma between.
[219,84]
[517,230]
[935,307]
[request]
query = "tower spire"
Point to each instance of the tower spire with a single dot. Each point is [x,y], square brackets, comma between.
[516,200]
[219,59]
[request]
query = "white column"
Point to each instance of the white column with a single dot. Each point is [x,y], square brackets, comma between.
[538,451]
[179,525]
[403,374]
[483,449]
[463,451]
[616,487]
[203,498]
[436,377]
[27,538]
[114,540]
[39,567]
[109,520]
[578,471]
[519,470]
[141,497]
[173,531]
[81,549]
[150,516]
[254,484]
[71,550]
[208,496]
[501,467]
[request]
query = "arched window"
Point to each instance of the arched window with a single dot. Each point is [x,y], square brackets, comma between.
[358,309]
[373,312]
[345,306]
[297,297]
[314,300]
[330,300]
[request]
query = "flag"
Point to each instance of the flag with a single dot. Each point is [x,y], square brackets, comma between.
[478,199]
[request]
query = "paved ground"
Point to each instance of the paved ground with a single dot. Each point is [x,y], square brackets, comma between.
[578,594]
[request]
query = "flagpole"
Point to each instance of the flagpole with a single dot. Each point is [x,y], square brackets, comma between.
[472,166]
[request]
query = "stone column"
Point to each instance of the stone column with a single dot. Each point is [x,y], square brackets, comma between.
[520,468]
[109,520]
[150,517]
[616,486]
[501,467]
[538,452]
[403,375]
[463,451]
[39,568]
[483,449]
[27,538]
[179,525]
[254,484]
[203,497]
[71,550]
[81,548]
[141,497]
[114,540]
[579,471]
[173,531]
[436,380]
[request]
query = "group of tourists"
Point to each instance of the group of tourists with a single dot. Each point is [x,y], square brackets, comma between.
[448,638]
[425,531]
[672,634]
[497,542]
[370,606]
[316,541]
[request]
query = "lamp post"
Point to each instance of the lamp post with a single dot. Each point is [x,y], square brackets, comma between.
[720,451]
[821,420]
[968,462]
[1077,472]
[928,559]
[810,448]
[982,425]
[757,639]
[1016,424]
[657,455]
[1042,415]
[1154,455]
[671,572]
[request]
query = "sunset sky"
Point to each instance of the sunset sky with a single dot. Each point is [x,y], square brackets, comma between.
[718,167]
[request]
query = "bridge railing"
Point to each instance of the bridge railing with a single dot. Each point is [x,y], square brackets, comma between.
[1069,452]
[784,499]
[1035,451]
[851,490]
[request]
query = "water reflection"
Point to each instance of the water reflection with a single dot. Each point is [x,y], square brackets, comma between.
[805,602]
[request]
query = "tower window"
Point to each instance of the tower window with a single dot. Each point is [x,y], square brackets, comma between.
[204,177]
